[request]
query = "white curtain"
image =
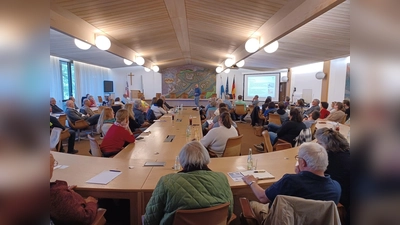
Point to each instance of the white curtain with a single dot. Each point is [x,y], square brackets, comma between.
[89,80]
[55,80]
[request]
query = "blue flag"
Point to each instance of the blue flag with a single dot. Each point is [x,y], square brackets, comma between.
[222,90]
[227,87]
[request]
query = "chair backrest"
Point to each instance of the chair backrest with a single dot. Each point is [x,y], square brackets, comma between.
[115,108]
[216,215]
[233,146]
[62,118]
[275,119]
[343,120]
[240,109]
[214,95]
[302,211]
[267,141]
[313,129]
[100,220]
[203,95]
[172,95]
[184,95]
[100,99]
[94,146]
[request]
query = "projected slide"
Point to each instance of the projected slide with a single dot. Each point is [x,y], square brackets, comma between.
[262,84]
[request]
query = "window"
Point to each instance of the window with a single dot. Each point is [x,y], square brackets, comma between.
[68,79]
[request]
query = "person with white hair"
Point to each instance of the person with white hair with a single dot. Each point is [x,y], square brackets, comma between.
[314,107]
[309,182]
[194,187]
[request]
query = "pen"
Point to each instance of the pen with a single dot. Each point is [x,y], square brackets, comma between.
[115,171]
[259,171]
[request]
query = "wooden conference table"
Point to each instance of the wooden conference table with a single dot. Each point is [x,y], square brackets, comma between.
[138,183]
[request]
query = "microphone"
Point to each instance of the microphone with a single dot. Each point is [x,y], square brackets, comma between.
[294,89]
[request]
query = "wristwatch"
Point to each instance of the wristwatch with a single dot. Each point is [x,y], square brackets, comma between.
[251,182]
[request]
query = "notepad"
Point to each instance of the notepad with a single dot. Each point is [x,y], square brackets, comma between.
[260,176]
[154,164]
[104,177]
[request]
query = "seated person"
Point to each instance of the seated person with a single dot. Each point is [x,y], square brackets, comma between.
[266,103]
[85,109]
[324,110]
[74,115]
[210,108]
[227,102]
[240,103]
[215,140]
[67,206]
[338,114]
[255,101]
[73,99]
[106,120]
[118,101]
[282,112]
[92,101]
[145,105]
[211,101]
[338,149]
[158,108]
[84,97]
[220,105]
[166,106]
[54,107]
[203,187]
[311,119]
[300,105]
[133,124]
[309,182]
[71,140]
[214,124]
[140,115]
[287,102]
[118,136]
[314,107]
[346,106]
[332,109]
[271,109]
[289,130]
[126,99]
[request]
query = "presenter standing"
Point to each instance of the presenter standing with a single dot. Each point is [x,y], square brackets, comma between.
[197,93]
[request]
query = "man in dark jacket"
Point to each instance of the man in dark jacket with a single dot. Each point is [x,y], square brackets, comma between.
[71,140]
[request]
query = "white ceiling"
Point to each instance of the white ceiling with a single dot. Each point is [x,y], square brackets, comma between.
[206,32]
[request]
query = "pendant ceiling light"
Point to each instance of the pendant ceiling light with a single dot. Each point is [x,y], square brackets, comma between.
[227,70]
[139,60]
[82,45]
[271,48]
[102,42]
[128,62]
[229,62]
[240,63]
[218,69]
[252,45]
[147,69]
[155,68]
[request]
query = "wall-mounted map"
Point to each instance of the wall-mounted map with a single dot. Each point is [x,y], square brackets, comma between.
[181,80]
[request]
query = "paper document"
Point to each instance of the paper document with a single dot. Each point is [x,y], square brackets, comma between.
[260,174]
[154,164]
[104,177]
[236,176]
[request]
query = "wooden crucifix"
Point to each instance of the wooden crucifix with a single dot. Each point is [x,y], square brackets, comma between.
[131,75]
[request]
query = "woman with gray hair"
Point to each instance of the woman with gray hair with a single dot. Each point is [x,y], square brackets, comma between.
[338,150]
[196,186]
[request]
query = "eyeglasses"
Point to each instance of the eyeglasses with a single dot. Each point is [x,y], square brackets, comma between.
[297,157]
[55,163]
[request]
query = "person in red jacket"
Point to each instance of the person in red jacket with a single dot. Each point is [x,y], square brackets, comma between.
[67,206]
[118,136]
[324,110]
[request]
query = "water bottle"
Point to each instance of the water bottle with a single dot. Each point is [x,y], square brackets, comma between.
[250,160]
[188,133]
[177,165]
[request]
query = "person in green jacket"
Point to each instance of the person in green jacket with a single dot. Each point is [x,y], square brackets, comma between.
[196,186]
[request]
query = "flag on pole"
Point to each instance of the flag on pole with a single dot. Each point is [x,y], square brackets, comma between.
[226,88]
[233,88]
[127,89]
[222,88]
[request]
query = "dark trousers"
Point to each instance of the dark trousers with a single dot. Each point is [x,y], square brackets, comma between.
[71,140]
[93,119]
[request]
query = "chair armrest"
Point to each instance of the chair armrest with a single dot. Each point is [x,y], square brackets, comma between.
[247,211]
[80,124]
[281,145]
[100,220]
[233,217]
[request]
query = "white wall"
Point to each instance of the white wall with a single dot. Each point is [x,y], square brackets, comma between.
[303,77]
[337,80]
[151,80]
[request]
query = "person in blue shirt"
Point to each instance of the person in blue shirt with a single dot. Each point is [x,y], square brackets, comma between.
[197,93]
[309,182]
